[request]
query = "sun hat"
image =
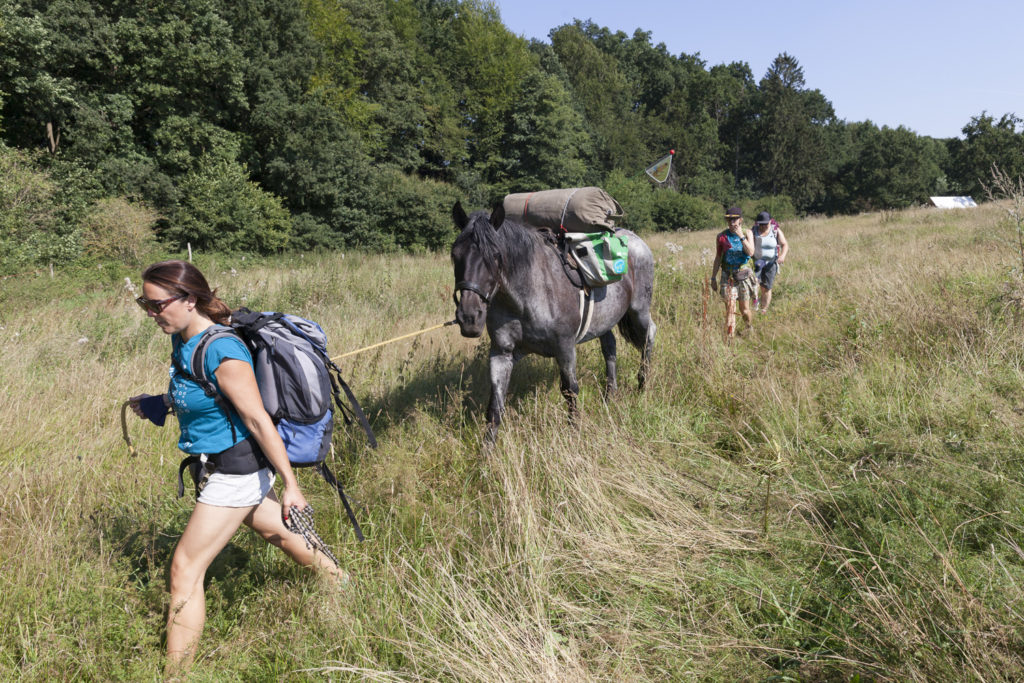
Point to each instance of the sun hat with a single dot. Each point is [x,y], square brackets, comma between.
[734,212]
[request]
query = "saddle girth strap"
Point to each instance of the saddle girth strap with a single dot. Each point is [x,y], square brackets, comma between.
[586,314]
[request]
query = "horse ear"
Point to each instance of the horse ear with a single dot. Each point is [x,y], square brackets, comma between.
[459,216]
[498,215]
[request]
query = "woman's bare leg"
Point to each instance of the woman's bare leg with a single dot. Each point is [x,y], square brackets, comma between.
[266,520]
[730,316]
[208,530]
[748,315]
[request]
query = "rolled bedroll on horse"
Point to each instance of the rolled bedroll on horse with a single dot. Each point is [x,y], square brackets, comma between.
[577,209]
[585,217]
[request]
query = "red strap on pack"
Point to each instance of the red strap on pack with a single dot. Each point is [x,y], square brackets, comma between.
[526,205]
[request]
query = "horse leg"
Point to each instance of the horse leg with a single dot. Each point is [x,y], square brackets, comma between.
[570,388]
[640,330]
[501,363]
[608,351]
[646,353]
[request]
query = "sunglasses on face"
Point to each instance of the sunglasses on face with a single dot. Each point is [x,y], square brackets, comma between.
[157,307]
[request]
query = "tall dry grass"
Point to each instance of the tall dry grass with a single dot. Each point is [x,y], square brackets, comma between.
[836,495]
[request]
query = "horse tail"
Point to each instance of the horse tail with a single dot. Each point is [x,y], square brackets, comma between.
[636,326]
[632,332]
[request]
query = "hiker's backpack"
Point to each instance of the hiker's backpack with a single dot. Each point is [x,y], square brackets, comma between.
[297,381]
[733,258]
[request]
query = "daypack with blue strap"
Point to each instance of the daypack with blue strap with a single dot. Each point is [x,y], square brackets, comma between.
[298,382]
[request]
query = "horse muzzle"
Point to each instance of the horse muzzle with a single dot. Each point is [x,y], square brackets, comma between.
[471,308]
[471,319]
[471,334]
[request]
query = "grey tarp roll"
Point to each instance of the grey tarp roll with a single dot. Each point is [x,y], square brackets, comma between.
[579,209]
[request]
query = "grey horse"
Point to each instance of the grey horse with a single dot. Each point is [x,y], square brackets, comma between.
[511,279]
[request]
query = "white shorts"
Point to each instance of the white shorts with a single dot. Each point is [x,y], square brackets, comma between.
[237,490]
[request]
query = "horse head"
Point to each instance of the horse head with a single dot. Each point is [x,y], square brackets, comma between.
[477,263]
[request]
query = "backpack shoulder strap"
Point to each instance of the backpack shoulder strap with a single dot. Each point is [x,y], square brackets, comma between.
[196,372]
[197,361]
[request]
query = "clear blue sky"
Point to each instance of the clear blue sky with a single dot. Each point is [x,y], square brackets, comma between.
[928,66]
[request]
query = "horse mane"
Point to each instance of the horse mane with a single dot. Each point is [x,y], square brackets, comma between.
[513,245]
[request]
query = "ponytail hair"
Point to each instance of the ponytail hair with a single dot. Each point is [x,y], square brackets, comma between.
[184,278]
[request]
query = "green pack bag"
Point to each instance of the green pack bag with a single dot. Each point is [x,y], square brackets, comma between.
[602,257]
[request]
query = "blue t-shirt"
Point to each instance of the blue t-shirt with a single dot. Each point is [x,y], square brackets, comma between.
[204,427]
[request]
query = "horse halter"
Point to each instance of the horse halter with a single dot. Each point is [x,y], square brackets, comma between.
[494,270]
[475,288]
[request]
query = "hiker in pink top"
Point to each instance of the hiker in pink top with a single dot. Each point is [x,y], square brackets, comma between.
[734,250]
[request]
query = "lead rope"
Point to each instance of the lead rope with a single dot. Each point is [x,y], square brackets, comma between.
[388,341]
[300,521]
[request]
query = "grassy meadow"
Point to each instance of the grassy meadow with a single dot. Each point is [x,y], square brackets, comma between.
[836,496]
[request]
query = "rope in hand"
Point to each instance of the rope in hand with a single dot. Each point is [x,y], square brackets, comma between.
[301,522]
[388,341]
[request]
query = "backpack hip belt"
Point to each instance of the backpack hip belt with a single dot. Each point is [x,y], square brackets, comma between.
[245,457]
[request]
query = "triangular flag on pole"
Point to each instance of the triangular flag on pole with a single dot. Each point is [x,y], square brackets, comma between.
[661,168]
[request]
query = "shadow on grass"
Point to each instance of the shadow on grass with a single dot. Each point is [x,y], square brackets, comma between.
[141,538]
[455,391]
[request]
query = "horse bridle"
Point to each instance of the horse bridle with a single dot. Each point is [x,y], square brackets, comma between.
[475,288]
[469,285]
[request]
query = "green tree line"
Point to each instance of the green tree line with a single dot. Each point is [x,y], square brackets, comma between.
[273,125]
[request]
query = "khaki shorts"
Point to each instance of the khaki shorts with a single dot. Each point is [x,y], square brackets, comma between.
[745,288]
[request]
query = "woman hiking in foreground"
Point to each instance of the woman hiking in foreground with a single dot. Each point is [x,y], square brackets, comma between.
[243,448]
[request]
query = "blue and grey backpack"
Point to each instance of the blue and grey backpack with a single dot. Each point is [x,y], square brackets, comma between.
[297,381]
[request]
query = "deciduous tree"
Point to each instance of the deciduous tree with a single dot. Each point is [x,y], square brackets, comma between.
[987,141]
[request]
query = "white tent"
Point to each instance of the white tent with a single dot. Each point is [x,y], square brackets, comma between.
[953,202]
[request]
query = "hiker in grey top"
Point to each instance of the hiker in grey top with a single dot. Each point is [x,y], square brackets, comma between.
[770,250]
[179,300]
